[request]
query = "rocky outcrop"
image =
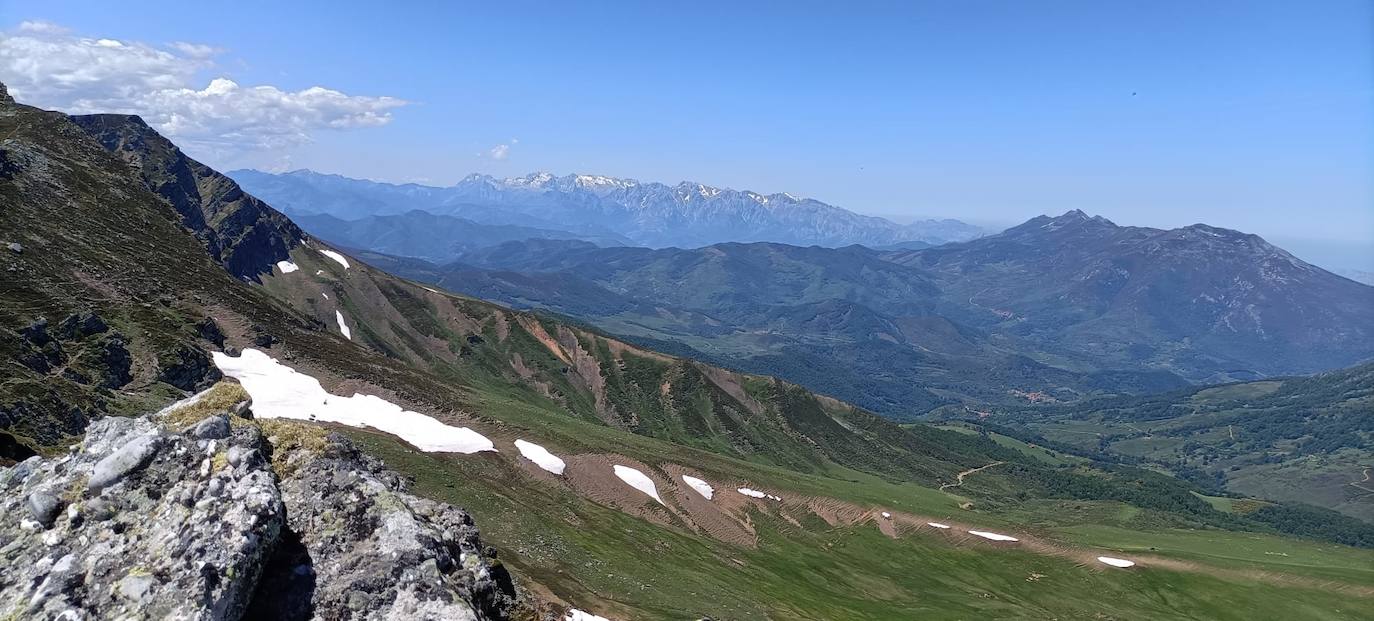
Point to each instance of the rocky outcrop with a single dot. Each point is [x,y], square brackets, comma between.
[242,233]
[231,518]
[360,547]
[136,522]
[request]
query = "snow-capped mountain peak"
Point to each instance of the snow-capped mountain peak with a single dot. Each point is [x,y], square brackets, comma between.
[650,213]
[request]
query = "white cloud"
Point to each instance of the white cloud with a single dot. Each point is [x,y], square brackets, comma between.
[41,26]
[45,65]
[499,152]
[194,50]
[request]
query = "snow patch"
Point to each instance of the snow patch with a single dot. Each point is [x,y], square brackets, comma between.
[887,516]
[992,536]
[541,456]
[753,493]
[326,295]
[702,487]
[336,256]
[343,327]
[937,525]
[637,480]
[287,267]
[577,615]
[1116,562]
[278,391]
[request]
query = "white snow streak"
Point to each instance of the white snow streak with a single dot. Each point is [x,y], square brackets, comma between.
[638,480]
[343,327]
[1116,562]
[577,615]
[278,391]
[701,487]
[541,456]
[336,256]
[753,493]
[937,525]
[993,536]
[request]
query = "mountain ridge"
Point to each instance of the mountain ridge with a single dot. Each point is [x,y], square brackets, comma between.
[651,213]
[1076,294]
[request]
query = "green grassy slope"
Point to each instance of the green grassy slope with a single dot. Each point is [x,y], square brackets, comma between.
[1307,439]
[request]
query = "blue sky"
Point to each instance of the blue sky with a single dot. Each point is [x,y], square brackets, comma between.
[1248,115]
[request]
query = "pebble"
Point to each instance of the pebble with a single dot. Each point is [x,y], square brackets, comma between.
[130,457]
[44,507]
[212,428]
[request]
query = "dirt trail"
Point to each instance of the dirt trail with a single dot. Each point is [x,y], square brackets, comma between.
[960,478]
[1357,484]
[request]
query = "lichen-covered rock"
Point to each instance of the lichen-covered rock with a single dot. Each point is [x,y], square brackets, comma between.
[217,521]
[141,523]
[359,547]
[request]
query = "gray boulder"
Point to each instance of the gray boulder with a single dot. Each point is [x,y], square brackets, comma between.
[142,522]
[141,536]
[369,550]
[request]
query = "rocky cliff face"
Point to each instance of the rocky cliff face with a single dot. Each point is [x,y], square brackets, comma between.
[201,514]
[241,232]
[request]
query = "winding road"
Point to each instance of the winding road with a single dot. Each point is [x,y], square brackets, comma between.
[961,475]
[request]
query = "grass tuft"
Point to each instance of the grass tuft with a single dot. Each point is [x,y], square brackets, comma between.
[287,437]
[218,400]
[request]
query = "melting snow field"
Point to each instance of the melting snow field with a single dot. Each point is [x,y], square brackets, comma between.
[278,391]
[702,487]
[287,267]
[937,525]
[540,456]
[578,615]
[993,536]
[753,493]
[637,480]
[343,327]
[336,256]
[1116,562]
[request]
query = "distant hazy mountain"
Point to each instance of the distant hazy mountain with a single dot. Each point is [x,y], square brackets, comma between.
[1363,276]
[432,237]
[1061,306]
[1211,303]
[650,214]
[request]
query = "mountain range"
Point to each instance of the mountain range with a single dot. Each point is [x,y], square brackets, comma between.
[1057,308]
[650,214]
[603,476]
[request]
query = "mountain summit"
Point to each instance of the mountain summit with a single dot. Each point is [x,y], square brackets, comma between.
[648,213]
